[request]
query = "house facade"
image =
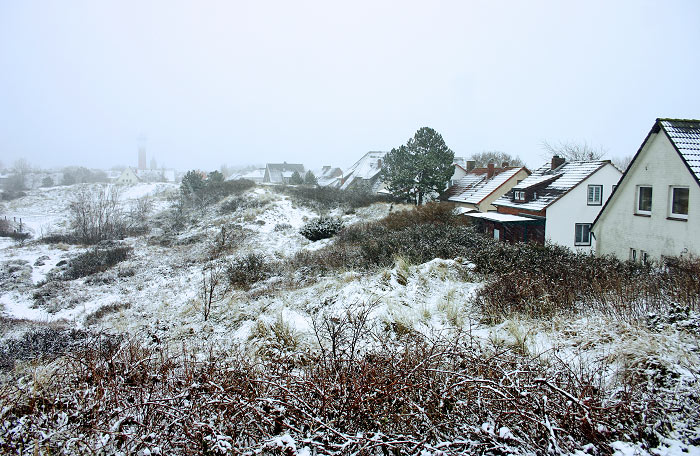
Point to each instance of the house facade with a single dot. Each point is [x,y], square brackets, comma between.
[655,210]
[565,196]
[128,177]
[480,187]
[280,173]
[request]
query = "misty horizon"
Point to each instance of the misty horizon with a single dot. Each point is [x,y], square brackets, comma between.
[211,83]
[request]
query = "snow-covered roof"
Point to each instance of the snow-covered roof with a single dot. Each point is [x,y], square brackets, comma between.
[498,217]
[328,176]
[366,168]
[550,184]
[685,136]
[475,186]
[279,171]
[254,174]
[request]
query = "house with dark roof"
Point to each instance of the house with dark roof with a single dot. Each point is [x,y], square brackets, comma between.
[480,187]
[280,173]
[366,172]
[655,209]
[557,203]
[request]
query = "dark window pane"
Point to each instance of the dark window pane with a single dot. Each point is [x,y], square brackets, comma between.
[645,199]
[680,201]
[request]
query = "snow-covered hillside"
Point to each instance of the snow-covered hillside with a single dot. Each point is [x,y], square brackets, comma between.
[156,295]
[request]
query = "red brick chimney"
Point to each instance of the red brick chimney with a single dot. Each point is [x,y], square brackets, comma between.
[557,161]
[490,170]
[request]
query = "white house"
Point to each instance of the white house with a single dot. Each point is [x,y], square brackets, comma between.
[128,177]
[565,197]
[655,209]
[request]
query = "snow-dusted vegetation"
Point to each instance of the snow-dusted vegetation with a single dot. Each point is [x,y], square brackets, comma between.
[216,323]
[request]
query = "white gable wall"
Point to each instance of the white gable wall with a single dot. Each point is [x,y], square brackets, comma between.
[573,208]
[619,229]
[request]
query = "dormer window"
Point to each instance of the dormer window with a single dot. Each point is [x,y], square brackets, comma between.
[519,195]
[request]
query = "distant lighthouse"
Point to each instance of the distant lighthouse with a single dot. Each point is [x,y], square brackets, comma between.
[142,157]
[142,152]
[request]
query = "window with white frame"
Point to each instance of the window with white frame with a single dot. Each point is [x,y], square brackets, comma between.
[643,205]
[595,195]
[678,204]
[633,254]
[582,234]
[519,195]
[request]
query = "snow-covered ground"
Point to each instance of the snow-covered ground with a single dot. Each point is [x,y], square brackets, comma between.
[156,292]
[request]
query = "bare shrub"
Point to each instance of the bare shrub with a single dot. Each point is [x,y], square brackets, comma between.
[96,215]
[445,396]
[96,260]
[245,271]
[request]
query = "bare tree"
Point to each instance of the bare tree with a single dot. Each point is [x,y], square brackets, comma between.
[622,163]
[20,169]
[213,287]
[96,215]
[574,151]
[495,156]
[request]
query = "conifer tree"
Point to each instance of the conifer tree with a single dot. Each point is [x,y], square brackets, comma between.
[420,167]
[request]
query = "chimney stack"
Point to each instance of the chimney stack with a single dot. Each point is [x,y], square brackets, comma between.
[490,172]
[471,164]
[557,161]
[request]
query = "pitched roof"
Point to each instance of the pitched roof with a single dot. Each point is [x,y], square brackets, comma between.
[475,185]
[279,171]
[551,184]
[366,168]
[685,137]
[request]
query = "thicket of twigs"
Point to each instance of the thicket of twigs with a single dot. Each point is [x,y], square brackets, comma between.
[417,396]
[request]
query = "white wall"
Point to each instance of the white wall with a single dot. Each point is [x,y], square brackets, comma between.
[458,174]
[619,229]
[573,208]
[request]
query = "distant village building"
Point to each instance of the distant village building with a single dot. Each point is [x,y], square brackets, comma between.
[128,177]
[256,175]
[366,173]
[557,203]
[655,209]
[329,176]
[280,173]
[478,188]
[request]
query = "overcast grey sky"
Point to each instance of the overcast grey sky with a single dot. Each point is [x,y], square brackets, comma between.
[323,82]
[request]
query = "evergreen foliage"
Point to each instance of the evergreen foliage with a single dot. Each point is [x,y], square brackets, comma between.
[296,179]
[310,179]
[420,167]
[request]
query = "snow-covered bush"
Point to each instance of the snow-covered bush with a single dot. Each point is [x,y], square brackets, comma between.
[321,228]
